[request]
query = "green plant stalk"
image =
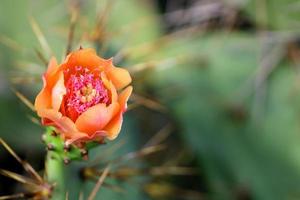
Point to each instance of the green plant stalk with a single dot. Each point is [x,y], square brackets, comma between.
[55,175]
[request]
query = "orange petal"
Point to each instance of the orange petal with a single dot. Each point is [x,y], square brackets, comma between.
[113,128]
[43,99]
[108,84]
[96,117]
[52,73]
[64,124]
[85,58]
[124,96]
[58,92]
[67,128]
[119,76]
[52,66]
[95,136]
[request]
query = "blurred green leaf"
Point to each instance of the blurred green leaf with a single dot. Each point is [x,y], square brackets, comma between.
[213,103]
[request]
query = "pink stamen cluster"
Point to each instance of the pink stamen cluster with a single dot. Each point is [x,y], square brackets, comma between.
[84,90]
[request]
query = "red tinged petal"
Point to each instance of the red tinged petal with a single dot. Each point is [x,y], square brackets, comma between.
[99,135]
[64,124]
[96,117]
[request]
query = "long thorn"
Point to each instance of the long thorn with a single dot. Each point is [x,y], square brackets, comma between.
[17,177]
[26,166]
[160,136]
[13,196]
[149,103]
[143,152]
[24,99]
[74,18]
[40,36]
[99,183]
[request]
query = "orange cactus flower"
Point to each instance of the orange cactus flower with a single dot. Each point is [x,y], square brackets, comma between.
[84,98]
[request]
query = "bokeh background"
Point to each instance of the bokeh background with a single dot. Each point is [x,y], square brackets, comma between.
[216,81]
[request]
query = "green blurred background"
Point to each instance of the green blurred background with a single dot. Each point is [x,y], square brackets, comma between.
[217,80]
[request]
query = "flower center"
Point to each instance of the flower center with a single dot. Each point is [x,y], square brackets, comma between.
[84,90]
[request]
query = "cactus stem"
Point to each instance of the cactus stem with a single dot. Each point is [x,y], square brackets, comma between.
[55,176]
[52,157]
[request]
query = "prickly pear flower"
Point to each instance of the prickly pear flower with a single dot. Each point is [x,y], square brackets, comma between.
[84,97]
